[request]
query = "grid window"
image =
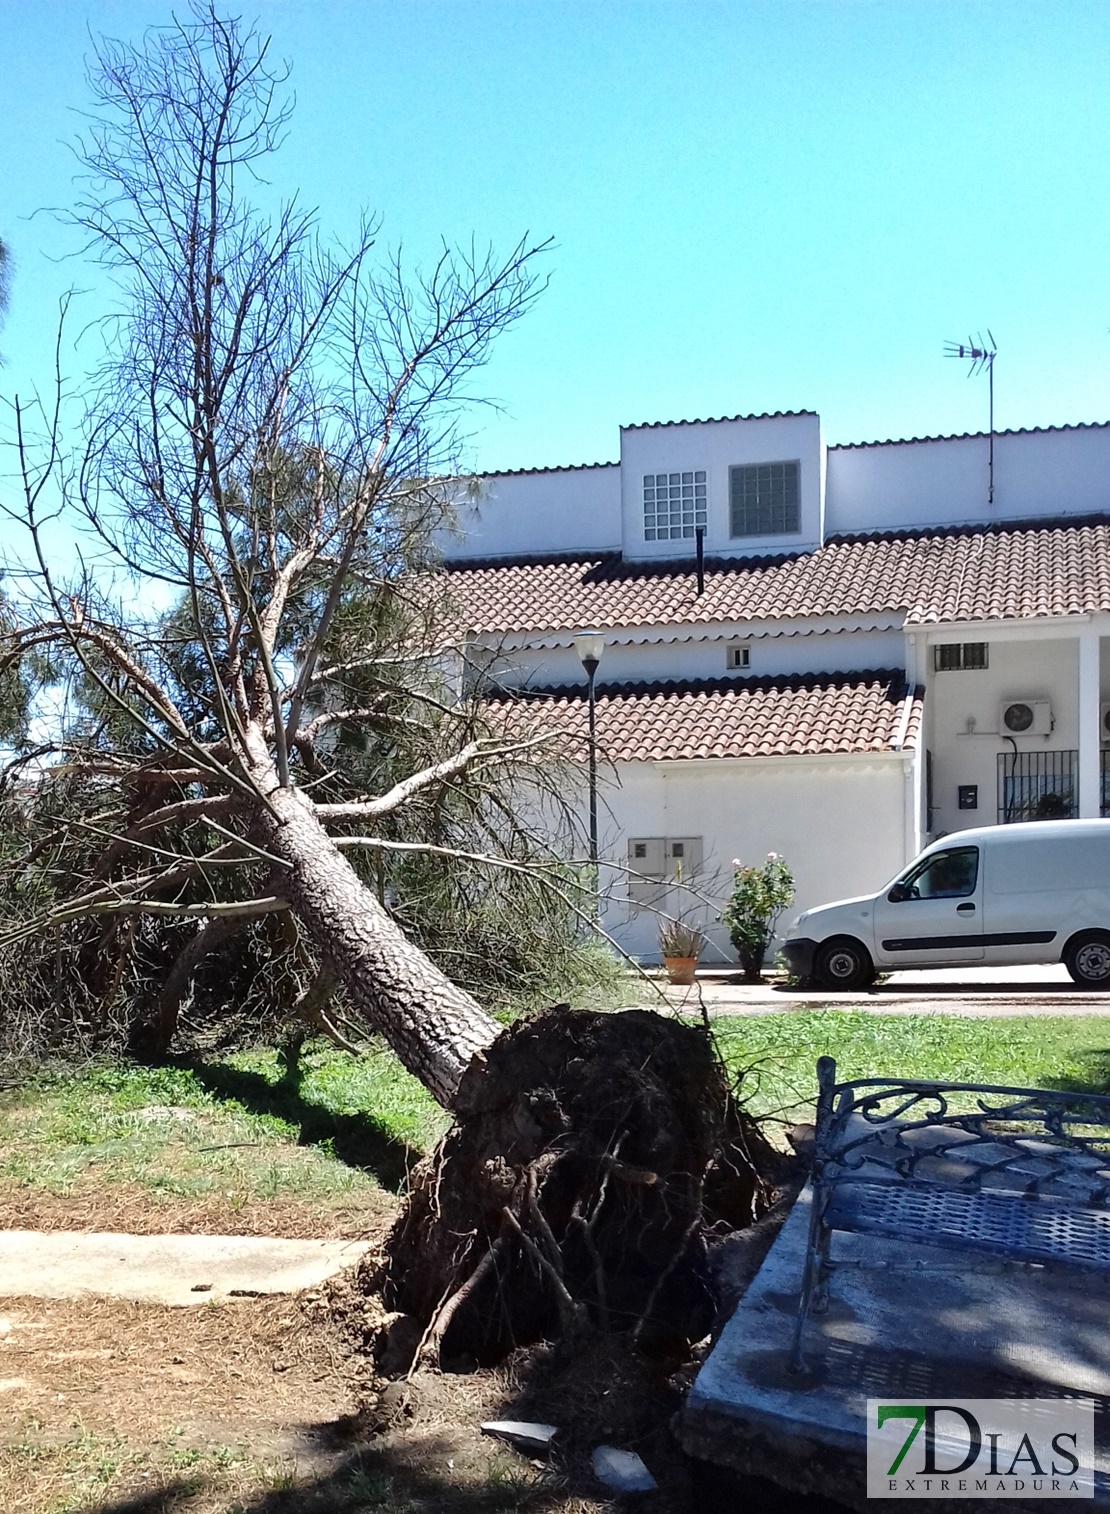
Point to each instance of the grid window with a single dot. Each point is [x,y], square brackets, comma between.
[674,505]
[763,499]
[960,654]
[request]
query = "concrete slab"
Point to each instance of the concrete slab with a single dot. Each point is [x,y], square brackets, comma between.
[165,1269]
[904,1322]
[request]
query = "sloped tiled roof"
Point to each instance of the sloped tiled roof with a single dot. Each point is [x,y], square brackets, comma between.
[1011,571]
[798,715]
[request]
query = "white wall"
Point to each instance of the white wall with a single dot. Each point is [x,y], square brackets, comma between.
[840,824]
[1021,666]
[894,485]
[715,446]
[531,514]
[771,656]
[846,489]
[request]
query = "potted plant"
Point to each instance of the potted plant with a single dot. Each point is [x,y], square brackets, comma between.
[681,946]
[759,896]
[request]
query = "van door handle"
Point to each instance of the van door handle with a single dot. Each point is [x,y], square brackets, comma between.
[965,909]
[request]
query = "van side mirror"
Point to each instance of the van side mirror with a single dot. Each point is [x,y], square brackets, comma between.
[898,894]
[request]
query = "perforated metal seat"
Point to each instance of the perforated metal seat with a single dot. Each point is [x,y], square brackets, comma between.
[1009,1225]
[1018,1173]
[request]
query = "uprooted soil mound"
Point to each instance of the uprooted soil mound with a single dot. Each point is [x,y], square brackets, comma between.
[593,1157]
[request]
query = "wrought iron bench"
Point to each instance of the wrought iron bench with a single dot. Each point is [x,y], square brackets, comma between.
[1018,1173]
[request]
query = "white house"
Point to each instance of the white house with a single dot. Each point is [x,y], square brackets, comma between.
[884,642]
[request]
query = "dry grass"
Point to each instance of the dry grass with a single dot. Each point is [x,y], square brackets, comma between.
[127,1207]
[236,1408]
[104,1399]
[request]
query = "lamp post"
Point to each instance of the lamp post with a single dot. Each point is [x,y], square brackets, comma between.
[590,645]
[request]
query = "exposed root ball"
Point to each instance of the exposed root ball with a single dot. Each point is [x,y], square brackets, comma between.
[591,1156]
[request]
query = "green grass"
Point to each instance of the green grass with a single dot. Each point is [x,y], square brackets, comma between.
[1049,1051]
[327,1127]
[245,1127]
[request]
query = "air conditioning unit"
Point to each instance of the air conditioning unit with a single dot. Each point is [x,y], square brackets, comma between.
[1025,717]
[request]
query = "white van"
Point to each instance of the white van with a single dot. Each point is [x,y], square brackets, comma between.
[1006,894]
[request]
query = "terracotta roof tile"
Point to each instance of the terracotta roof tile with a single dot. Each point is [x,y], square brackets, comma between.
[552,468]
[1012,571]
[795,716]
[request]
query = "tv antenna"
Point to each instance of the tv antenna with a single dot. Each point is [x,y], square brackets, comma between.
[981,355]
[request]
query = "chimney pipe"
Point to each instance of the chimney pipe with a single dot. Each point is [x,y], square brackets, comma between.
[699,532]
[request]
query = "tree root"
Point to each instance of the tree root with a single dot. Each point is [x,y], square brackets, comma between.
[593,1157]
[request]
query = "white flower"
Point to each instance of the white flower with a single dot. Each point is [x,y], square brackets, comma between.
[772,856]
[736,862]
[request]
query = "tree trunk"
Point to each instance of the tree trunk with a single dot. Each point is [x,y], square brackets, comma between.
[435,1028]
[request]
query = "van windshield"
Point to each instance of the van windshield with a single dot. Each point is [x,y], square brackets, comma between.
[942,875]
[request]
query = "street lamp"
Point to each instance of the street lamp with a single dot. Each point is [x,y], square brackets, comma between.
[590,645]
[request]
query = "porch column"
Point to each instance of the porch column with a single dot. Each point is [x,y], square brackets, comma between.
[1090,727]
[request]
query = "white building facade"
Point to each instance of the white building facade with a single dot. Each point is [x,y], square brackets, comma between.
[833,653]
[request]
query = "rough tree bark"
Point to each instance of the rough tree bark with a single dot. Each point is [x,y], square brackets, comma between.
[434,1026]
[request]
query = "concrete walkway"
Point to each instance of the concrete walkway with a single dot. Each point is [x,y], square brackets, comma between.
[977,992]
[165,1269]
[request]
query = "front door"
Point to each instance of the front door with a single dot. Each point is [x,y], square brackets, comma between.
[933,915]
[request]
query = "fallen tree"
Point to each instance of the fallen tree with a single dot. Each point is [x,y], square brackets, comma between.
[270,447]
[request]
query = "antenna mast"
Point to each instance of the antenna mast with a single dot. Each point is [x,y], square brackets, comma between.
[980,354]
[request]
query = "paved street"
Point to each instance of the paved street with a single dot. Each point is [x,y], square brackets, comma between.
[973,991]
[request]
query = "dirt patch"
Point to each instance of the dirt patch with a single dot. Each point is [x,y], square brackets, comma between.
[255,1407]
[134,1210]
[103,1399]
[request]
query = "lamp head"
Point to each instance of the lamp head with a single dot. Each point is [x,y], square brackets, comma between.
[589,645]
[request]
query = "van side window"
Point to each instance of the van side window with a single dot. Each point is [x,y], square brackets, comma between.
[944,875]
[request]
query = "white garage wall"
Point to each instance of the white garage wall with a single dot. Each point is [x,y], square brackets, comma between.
[839,822]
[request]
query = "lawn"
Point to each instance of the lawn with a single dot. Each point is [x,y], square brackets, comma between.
[779,1052]
[246,1144]
[256,1143]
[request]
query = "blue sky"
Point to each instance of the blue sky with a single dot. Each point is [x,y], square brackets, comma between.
[754,206]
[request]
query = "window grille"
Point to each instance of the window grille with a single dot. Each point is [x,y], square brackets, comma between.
[763,499]
[1037,786]
[960,654]
[674,504]
[1104,763]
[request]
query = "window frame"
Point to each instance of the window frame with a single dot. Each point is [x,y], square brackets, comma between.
[662,486]
[736,469]
[943,650]
[900,893]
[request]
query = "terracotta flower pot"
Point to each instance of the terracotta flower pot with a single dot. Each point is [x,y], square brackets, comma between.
[680,969]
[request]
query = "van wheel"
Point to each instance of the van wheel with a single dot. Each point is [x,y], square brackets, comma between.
[843,963]
[1087,959]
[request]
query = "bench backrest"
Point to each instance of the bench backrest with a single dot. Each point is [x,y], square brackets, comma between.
[1036,1143]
